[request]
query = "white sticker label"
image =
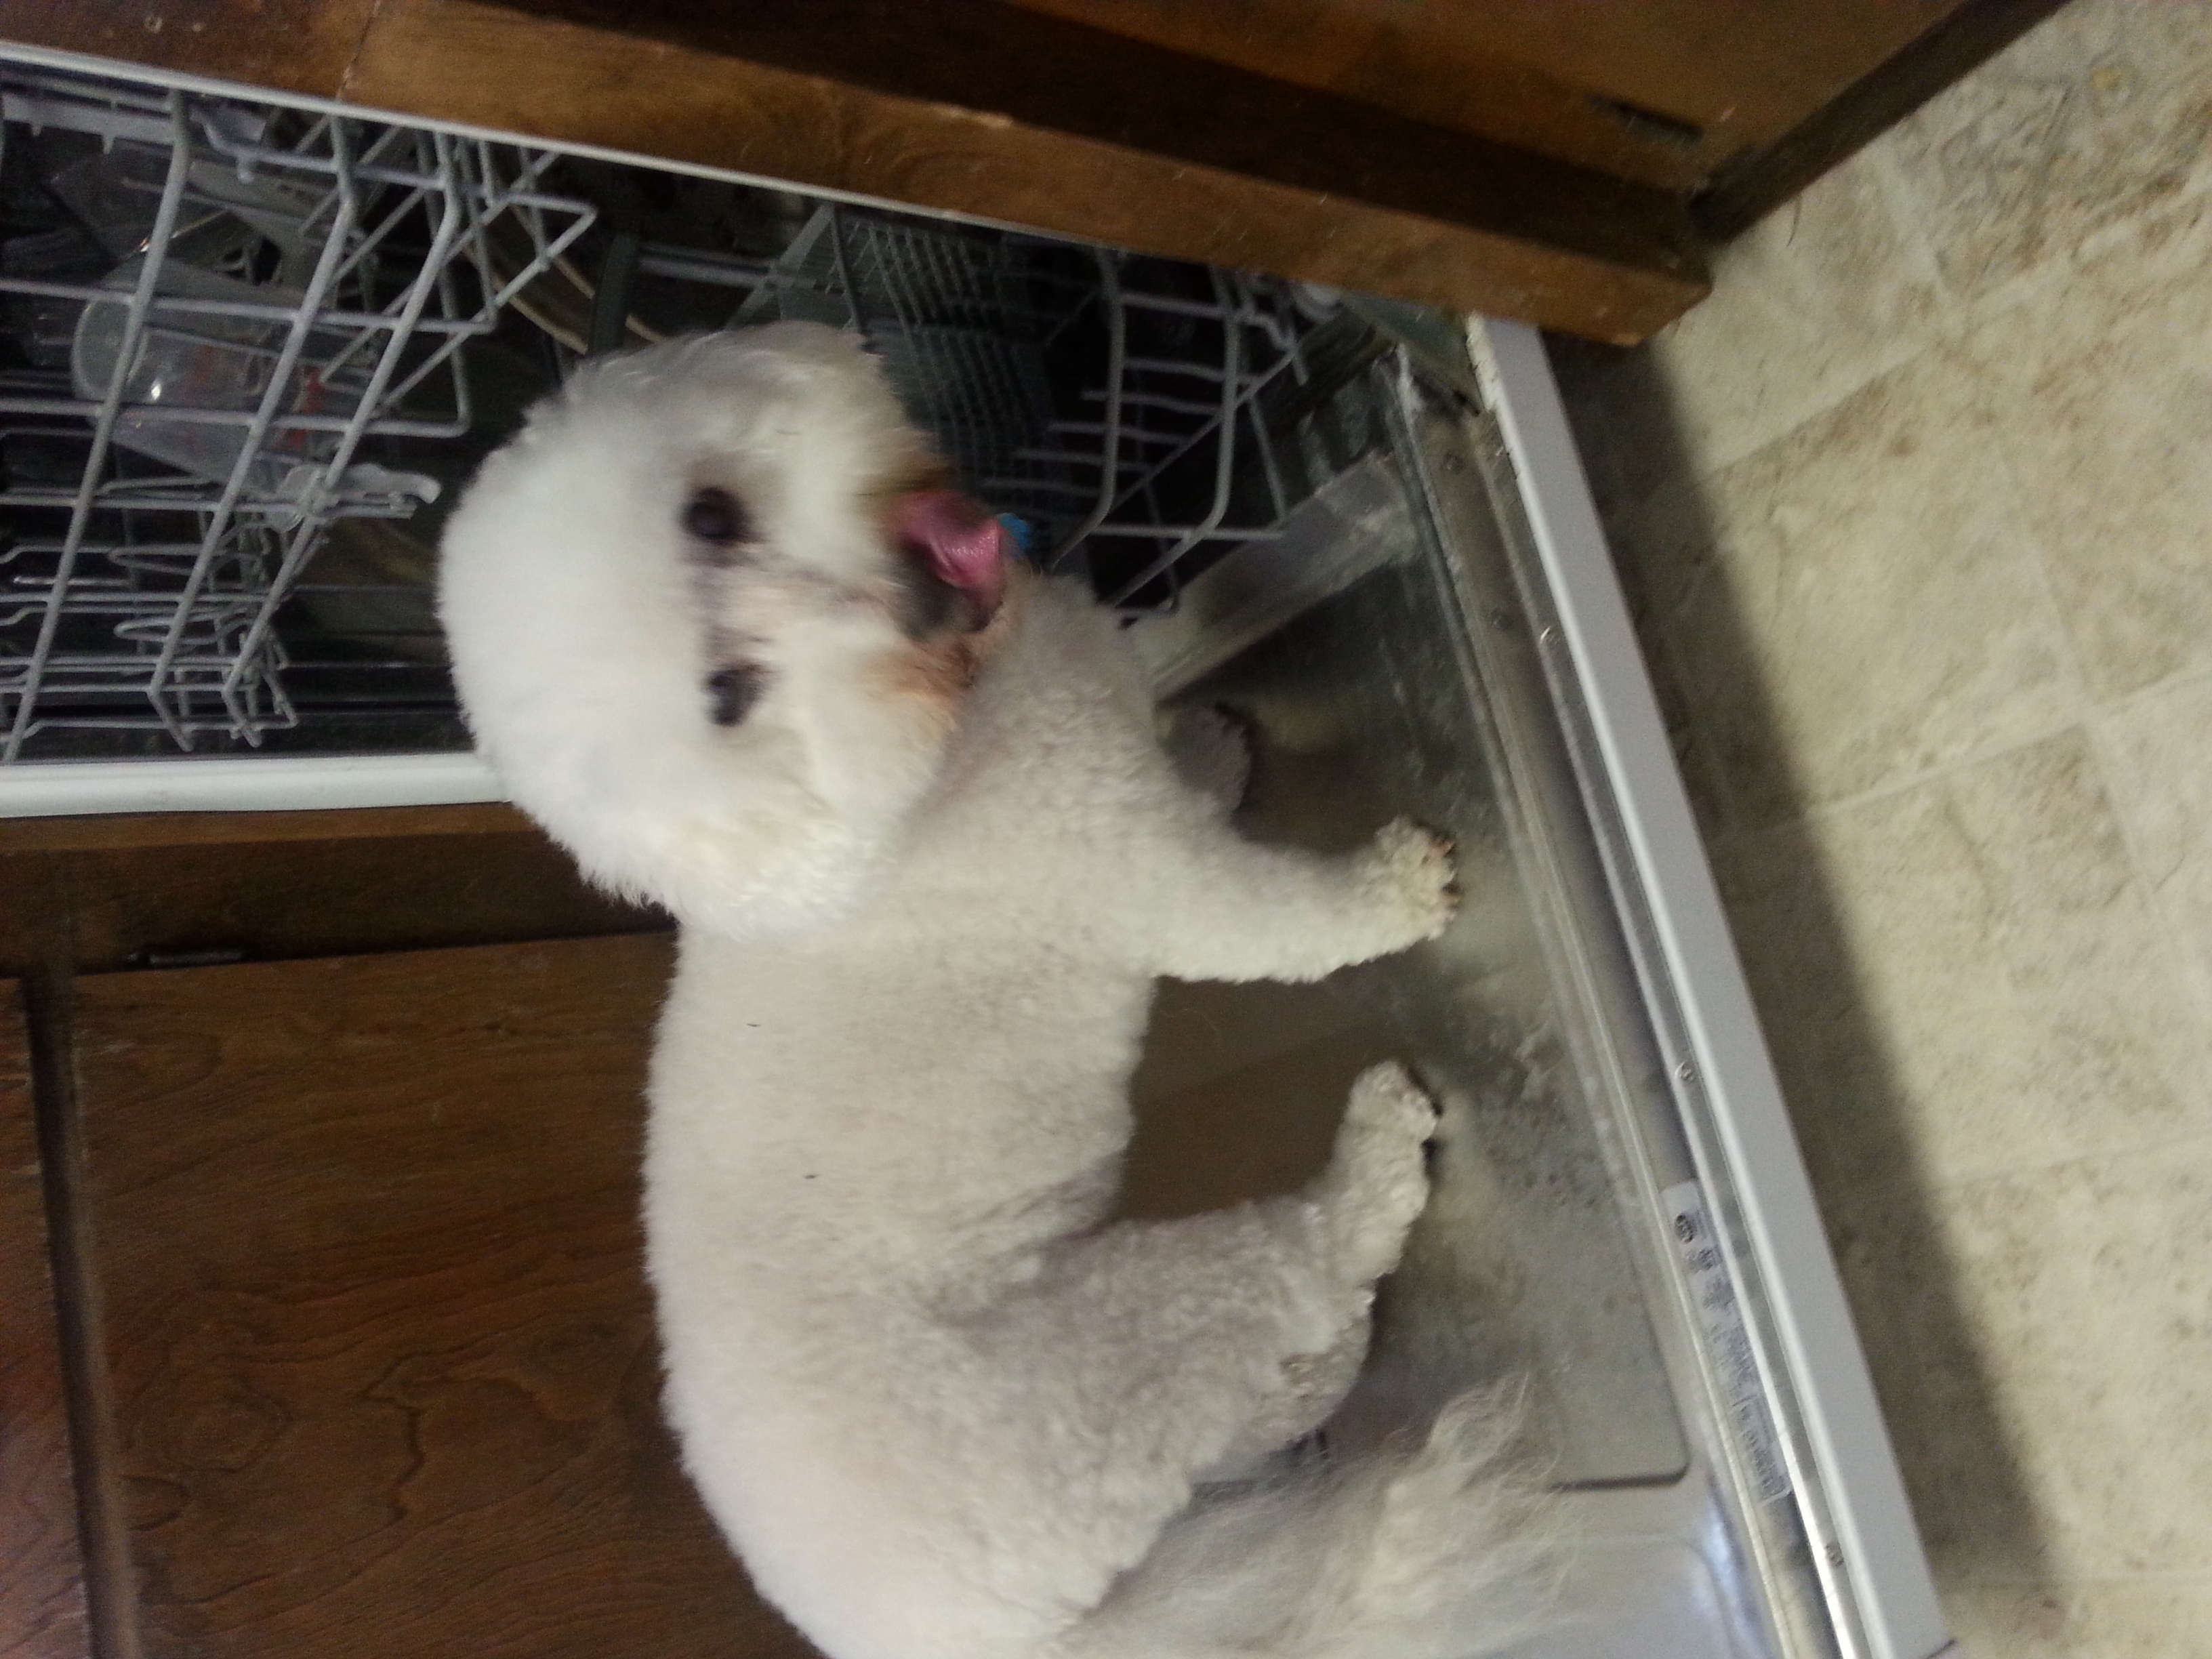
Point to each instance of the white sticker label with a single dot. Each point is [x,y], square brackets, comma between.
[1720,1316]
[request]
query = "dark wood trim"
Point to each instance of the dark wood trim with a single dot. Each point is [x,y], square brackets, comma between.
[1753,187]
[1033,116]
[42,1570]
[1049,76]
[106,831]
[974,108]
[302,46]
[980,110]
[1430,64]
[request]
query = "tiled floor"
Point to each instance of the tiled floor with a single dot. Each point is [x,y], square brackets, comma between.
[1916,513]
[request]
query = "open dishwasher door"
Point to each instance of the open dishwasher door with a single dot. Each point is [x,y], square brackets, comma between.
[1621,1219]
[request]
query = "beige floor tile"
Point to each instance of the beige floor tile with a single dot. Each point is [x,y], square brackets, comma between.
[1807,306]
[2098,114]
[1962,977]
[2157,750]
[1916,518]
[2041,1342]
[2100,387]
[2088,1287]
[2147,1617]
[1856,604]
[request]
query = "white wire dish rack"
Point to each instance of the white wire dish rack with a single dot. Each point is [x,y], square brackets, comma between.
[246,346]
[180,430]
[1138,413]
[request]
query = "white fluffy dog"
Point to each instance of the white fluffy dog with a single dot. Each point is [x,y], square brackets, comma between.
[723,630]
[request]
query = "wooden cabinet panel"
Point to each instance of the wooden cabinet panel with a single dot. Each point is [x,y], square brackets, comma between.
[1660,90]
[295,46]
[1555,160]
[114,905]
[112,831]
[374,1324]
[969,108]
[314,898]
[1741,103]
[1738,71]
[42,1614]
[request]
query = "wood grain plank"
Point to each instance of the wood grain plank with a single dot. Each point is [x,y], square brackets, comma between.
[1732,75]
[381,1344]
[1075,131]
[1743,71]
[42,1600]
[34,925]
[115,830]
[111,908]
[291,45]
[162,906]
[1429,63]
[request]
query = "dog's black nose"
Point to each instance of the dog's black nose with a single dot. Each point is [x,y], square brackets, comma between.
[717,518]
[732,692]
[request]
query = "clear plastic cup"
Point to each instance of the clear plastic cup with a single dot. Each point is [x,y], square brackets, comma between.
[198,361]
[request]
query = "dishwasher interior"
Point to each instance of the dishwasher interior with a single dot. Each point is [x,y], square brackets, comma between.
[252,351]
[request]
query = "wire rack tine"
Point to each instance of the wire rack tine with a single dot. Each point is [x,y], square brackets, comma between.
[1165,459]
[277,392]
[1109,447]
[111,405]
[303,540]
[184,627]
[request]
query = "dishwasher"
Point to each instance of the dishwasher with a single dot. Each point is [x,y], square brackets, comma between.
[252,350]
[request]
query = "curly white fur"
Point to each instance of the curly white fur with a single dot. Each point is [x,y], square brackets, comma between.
[941,1405]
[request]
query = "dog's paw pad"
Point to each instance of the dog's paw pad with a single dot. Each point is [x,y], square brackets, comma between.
[1413,873]
[1386,1101]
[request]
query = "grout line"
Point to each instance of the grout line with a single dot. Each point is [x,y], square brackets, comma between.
[2173,936]
[2122,704]
[2092,716]
[1872,171]
[2121,1152]
[1890,184]
[1904,783]
[1988,1581]
[2046,282]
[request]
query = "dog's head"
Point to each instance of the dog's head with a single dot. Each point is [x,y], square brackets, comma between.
[712,617]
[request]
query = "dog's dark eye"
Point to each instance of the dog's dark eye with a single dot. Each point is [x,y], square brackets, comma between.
[717,518]
[732,692]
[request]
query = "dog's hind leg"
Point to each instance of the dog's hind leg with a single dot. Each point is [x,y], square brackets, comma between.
[1313,1387]
[1181,1340]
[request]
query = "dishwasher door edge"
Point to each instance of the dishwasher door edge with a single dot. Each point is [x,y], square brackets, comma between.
[1883,1572]
[236,783]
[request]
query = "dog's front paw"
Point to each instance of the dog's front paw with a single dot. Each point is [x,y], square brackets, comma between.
[1409,871]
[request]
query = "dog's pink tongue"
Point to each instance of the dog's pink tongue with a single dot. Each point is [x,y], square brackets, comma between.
[964,543]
